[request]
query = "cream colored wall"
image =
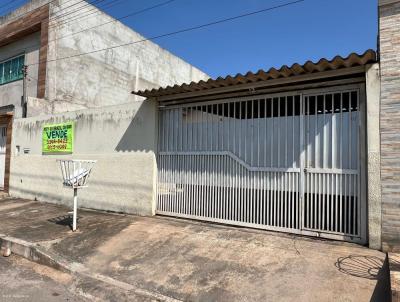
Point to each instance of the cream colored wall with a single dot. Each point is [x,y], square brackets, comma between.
[121,138]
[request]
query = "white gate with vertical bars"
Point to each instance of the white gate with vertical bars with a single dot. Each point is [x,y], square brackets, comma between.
[288,162]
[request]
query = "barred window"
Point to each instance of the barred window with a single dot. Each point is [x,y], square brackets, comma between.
[11,70]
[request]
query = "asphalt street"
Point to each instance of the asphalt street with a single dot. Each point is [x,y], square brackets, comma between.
[22,280]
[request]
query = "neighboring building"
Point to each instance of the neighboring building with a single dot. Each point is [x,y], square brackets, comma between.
[65,45]
[52,37]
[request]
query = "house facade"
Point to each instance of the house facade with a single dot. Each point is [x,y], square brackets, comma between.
[284,150]
[308,149]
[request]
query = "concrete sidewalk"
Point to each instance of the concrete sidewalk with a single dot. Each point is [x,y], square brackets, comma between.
[118,257]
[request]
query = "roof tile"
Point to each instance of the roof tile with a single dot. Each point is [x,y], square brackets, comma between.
[296,69]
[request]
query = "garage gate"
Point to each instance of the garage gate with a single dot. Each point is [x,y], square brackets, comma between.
[288,162]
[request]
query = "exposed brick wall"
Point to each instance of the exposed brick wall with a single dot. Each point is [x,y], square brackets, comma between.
[389,24]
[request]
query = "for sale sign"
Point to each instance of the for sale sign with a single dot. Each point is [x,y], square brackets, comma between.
[58,138]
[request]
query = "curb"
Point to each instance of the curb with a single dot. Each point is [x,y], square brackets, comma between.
[88,286]
[33,253]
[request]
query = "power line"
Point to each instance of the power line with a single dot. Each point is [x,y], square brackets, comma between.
[176,32]
[28,12]
[87,3]
[93,11]
[115,20]
[62,8]
[8,3]
[79,9]
[83,14]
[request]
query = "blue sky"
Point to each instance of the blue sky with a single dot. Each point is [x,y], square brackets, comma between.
[306,31]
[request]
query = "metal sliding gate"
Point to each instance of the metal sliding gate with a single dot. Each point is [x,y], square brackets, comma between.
[287,162]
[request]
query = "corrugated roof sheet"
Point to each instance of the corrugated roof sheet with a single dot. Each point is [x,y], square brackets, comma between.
[338,62]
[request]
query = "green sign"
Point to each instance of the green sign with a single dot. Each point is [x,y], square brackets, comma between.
[58,139]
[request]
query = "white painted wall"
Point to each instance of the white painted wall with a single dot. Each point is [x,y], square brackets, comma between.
[104,78]
[121,138]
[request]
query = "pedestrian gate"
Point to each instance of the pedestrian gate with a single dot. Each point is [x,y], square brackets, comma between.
[287,162]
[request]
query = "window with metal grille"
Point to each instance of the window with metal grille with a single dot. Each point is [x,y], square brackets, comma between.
[11,70]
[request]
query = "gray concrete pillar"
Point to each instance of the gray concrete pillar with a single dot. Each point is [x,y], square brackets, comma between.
[373,156]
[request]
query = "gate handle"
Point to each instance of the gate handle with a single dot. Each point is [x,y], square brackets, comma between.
[305,170]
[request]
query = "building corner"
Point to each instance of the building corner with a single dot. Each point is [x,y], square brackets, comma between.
[389,43]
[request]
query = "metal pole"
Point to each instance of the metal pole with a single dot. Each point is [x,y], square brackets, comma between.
[24,96]
[75,209]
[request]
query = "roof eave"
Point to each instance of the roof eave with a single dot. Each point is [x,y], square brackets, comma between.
[257,85]
[338,66]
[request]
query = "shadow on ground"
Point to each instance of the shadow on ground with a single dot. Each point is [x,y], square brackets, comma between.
[371,268]
[64,220]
